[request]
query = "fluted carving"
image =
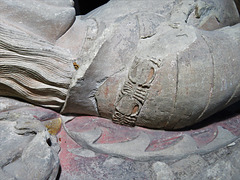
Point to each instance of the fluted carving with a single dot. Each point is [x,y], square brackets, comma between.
[33,69]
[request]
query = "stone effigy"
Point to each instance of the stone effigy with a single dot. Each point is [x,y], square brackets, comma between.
[156,64]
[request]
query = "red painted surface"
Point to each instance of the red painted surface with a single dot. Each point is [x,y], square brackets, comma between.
[113,133]
[75,165]
[67,161]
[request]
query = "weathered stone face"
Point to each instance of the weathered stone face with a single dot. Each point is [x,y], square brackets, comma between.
[170,75]
[151,64]
[179,89]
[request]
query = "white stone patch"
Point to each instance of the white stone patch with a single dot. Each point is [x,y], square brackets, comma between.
[163,171]
[113,161]
[82,152]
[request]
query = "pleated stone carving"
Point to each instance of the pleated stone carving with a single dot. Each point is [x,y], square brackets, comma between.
[33,69]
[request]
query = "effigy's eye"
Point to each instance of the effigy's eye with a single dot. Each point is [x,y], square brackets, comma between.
[76,66]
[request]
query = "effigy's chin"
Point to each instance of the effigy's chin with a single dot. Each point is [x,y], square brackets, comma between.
[170,79]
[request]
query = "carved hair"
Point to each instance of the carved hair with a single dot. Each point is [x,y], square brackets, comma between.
[33,69]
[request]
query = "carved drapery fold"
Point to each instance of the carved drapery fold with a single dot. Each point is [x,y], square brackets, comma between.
[33,69]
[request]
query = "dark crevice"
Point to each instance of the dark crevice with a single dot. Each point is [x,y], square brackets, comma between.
[59,173]
[189,13]
[237,2]
[229,112]
[84,7]
[212,80]
[49,142]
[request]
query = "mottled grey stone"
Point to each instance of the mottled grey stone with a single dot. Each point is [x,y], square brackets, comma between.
[27,151]
[210,157]
[82,152]
[157,64]
[185,75]
[221,170]
[211,15]
[163,171]
[235,161]
[113,161]
[49,19]
[188,167]
[186,81]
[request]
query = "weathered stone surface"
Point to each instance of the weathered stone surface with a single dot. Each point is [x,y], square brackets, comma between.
[151,64]
[101,166]
[88,163]
[49,19]
[188,167]
[170,75]
[33,69]
[27,150]
[211,15]
[144,144]
[196,166]
[163,171]
[107,62]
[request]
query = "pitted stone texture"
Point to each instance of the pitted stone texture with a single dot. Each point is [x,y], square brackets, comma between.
[163,171]
[27,150]
[193,167]
[137,143]
[100,166]
[155,69]
[221,170]
[113,161]
[188,167]
[211,15]
[37,161]
[235,162]
[27,156]
[223,164]
[49,19]
[181,77]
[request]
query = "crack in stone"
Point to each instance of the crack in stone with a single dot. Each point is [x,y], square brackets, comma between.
[233,95]
[189,13]
[212,83]
[176,94]
[147,37]
[177,82]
